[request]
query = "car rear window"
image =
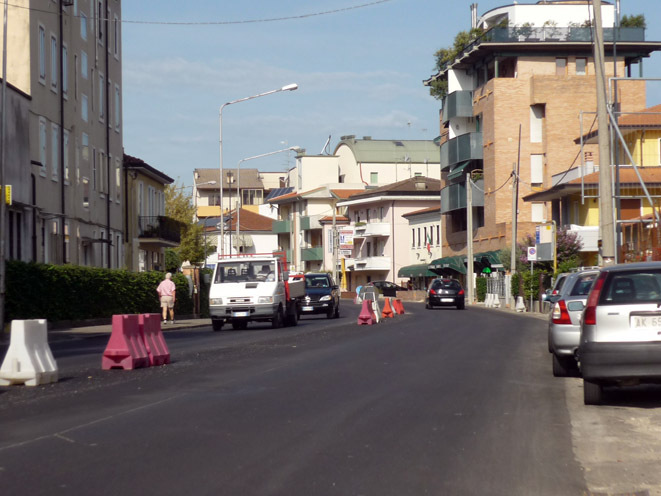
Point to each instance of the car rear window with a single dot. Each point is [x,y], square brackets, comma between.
[583,284]
[631,287]
[446,284]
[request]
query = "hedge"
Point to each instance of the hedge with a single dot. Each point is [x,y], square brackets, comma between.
[70,292]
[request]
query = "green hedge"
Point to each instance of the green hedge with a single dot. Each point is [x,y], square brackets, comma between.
[481,287]
[70,292]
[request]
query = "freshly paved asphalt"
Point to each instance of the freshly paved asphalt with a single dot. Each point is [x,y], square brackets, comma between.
[436,402]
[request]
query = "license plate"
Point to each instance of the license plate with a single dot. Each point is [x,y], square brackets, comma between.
[652,322]
[240,314]
[307,309]
[447,300]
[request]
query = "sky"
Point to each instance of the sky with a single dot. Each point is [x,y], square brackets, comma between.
[359,66]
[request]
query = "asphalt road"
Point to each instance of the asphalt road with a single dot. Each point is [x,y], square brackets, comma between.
[439,402]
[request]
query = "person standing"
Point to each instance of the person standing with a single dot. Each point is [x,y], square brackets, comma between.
[166,291]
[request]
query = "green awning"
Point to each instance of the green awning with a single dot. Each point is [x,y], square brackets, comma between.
[458,170]
[492,256]
[446,264]
[420,270]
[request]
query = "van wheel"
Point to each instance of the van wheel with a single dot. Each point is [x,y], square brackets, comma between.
[277,321]
[292,319]
[217,324]
[592,393]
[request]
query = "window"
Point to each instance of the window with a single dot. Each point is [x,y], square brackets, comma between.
[252,196]
[75,77]
[426,238]
[538,212]
[65,72]
[116,28]
[83,108]
[100,18]
[581,66]
[560,66]
[417,174]
[537,114]
[438,235]
[55,151]
[101,102]
[42,54]
[374,177]
[537,169]
[118,180]
[53,62]
[418,237]
[83,64]
[103,168]
[118,107]
[67,252]
[95,177]
[65,145]
[86,147]
[83,26]
[413,237]
[43,138]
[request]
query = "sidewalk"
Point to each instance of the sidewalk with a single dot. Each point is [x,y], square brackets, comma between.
[92,330]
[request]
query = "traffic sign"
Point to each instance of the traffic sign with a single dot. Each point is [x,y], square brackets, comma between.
[532,254]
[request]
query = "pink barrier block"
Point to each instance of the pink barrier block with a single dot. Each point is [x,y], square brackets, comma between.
[366,316]
[150,330]
[125,348]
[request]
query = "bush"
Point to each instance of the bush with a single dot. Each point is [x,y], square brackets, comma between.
[70,292]
[481,288]
[516,284]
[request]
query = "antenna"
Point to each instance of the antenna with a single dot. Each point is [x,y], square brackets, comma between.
[325,149]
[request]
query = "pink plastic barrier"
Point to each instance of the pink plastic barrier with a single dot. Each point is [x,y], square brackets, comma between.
[366,316]
[125,348]
[150,330]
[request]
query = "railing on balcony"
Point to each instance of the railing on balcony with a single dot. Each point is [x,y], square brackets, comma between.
[281,226]
[372,263]
[314,253]
[370,229]
[458,104]
[453,197]
[309,222]
[460,149]
[160,227]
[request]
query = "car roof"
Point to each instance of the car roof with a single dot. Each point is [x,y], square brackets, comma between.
[632,266]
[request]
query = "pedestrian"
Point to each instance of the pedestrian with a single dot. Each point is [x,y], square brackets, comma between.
[166,291]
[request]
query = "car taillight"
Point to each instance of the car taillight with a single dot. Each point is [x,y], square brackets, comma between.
[461,292]
[431,291]
[560,314]
[590,314]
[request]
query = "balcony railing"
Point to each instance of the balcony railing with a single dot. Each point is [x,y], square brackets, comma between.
[160,227]
[460,149]
[281,226]
[310,254]
[453,197]
[370,229]
[372,263]
[309,222]
[458,104]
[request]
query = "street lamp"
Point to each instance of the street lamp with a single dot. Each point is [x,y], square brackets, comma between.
[289,87]
[239,201]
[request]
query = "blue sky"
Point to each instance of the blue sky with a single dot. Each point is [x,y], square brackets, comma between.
[359,71]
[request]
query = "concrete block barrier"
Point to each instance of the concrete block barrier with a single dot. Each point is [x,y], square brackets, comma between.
[126,348]
[29,359]
[152,336]
[520,306]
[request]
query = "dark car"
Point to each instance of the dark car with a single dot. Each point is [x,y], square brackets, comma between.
[445,292]
[322,295]
[387,288]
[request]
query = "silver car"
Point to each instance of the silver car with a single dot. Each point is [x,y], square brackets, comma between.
[620,341]
[565,321]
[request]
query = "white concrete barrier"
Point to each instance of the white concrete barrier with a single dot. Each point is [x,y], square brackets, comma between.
[29,359]
[377,311]
[496,301]
[520,306]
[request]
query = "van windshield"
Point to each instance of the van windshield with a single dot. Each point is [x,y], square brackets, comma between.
[245,271]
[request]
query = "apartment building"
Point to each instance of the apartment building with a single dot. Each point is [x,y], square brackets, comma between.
[512,106]
[65,55]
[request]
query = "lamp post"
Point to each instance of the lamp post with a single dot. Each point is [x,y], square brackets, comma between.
[239,202]
[289,87]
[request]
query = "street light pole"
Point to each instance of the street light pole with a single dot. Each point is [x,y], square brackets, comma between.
[239,202]
[289,87]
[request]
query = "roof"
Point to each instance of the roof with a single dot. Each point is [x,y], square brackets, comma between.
[249,178]
[414,186]
[343,194]
[250,221]
[429,210]
[339,219]
[392,151]
[292,196]
[274,193]
[134,163]
[649,118]
[628,177]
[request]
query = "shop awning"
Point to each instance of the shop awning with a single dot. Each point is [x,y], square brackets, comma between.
[419,270]
[492,257]
[448,265]
[458,170]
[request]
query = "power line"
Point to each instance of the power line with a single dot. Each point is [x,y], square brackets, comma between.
[223,23]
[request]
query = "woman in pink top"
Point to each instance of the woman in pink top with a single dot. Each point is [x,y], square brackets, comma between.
[166,291]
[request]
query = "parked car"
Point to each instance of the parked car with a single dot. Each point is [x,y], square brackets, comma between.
[620,341]
[322,295]
[565,321]
[445,292]
[552,295]
[387,288]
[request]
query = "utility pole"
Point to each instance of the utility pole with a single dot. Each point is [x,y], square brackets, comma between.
[469,238]
[606,225]
[3,155]
[515,206]
[335,243]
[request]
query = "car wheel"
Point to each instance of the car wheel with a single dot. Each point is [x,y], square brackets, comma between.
[337,311]
[461,306]
[239,325]
[217,324]
[592,393]
[276,323]
[562,366]
[427,305]
[330,313]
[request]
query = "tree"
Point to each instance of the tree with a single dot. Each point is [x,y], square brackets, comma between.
[568,248]
[633,21]
[172,260]
[179,206]
[439,87]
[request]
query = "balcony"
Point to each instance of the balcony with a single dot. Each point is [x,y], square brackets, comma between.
[310,222]
[458,104]
[453,197]
[159,230]
[550,33]
[461,149]
[371,229]
[312,254]
[281,226]
[372,263]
